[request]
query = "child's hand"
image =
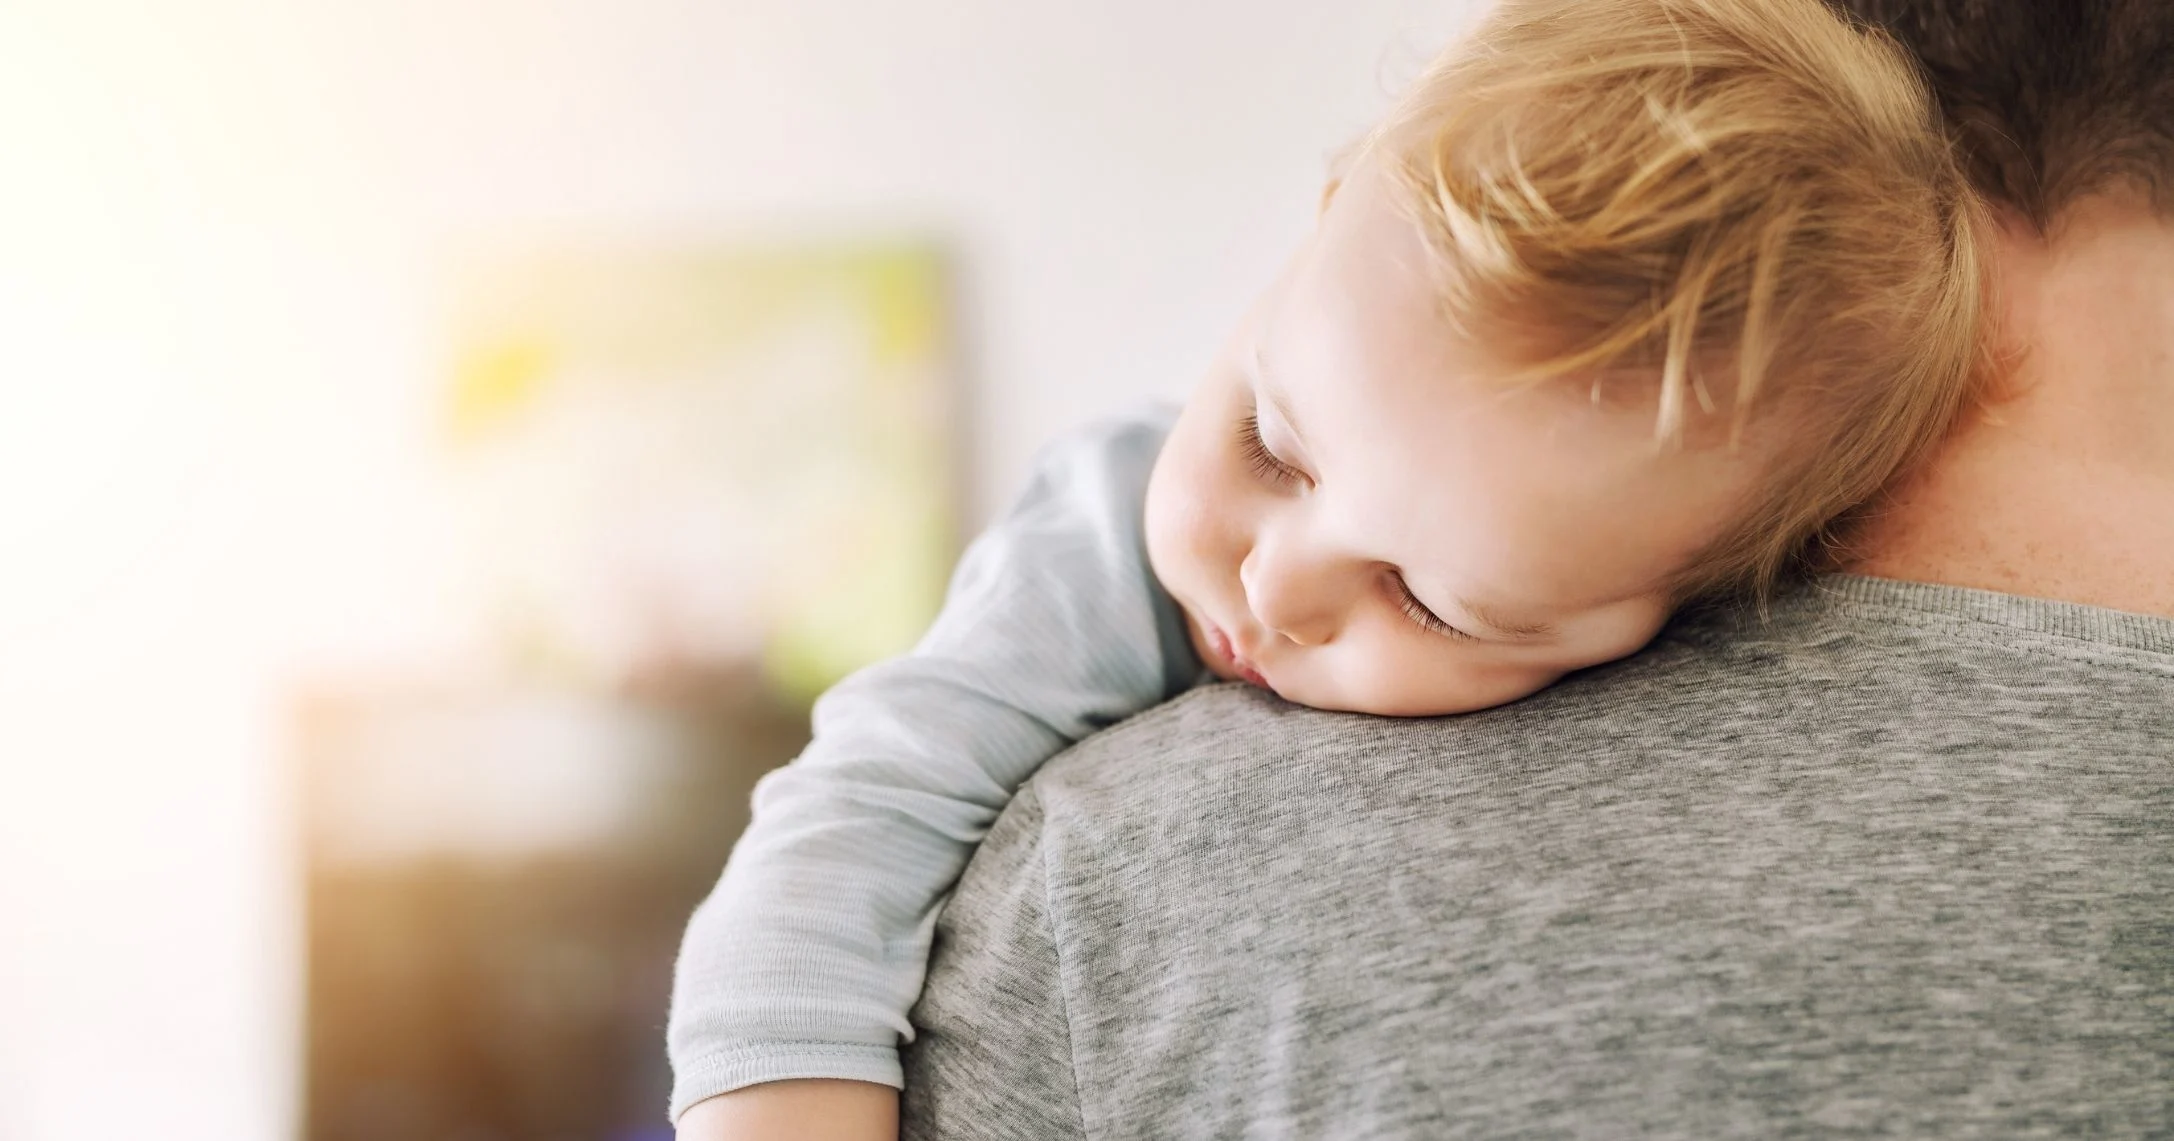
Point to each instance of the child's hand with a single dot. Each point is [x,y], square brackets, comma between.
[808,1110]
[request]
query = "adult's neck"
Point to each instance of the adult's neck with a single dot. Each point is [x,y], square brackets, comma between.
[2065,489]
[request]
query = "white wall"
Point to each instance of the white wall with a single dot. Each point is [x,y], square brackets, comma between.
[218,224]
[1119,174]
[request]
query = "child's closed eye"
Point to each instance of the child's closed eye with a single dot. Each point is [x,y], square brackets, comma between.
[1265,464]
[1417,611]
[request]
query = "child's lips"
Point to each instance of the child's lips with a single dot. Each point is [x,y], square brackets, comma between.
[1221,644]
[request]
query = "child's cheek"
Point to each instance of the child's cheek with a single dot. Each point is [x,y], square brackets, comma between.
[1163,524]
[1181,523]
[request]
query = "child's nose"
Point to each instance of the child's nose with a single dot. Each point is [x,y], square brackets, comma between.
[1290,592]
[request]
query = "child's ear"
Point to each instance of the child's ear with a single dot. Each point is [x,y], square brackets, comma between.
[1327,193]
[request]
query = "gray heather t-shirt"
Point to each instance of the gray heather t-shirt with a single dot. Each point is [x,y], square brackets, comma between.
[1898,863]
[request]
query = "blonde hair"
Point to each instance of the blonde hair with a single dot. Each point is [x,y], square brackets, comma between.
[1682,191]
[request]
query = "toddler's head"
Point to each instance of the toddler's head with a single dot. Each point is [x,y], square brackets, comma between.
[1625,307]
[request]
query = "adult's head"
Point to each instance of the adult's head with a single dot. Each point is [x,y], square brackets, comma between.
[2052,102]
[2064,115]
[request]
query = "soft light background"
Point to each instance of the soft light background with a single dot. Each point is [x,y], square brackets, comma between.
[219,222]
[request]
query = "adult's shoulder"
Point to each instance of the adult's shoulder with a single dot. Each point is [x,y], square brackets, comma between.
[1802,867]
[1843,666]
[1231,749]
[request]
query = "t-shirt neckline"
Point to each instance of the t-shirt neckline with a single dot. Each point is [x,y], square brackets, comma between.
[2095,624]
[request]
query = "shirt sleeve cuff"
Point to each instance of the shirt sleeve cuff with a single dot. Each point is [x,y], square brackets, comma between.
[723,1073]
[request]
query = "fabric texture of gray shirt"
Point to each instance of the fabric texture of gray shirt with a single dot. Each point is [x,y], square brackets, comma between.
[1897,862]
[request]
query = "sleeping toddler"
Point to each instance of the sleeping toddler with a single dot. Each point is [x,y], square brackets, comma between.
[1627,306]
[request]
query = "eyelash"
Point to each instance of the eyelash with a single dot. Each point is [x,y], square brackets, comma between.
[1264,462]
[1423,617]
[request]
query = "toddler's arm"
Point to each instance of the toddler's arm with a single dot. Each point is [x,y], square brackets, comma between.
[805,960]
[795,1111]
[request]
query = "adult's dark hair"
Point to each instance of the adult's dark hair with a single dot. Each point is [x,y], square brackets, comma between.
[2050,100]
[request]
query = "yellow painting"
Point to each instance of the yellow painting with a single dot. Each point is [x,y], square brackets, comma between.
[703,457]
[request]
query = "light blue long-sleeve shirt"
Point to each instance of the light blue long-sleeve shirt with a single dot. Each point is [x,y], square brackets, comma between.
[806,958]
